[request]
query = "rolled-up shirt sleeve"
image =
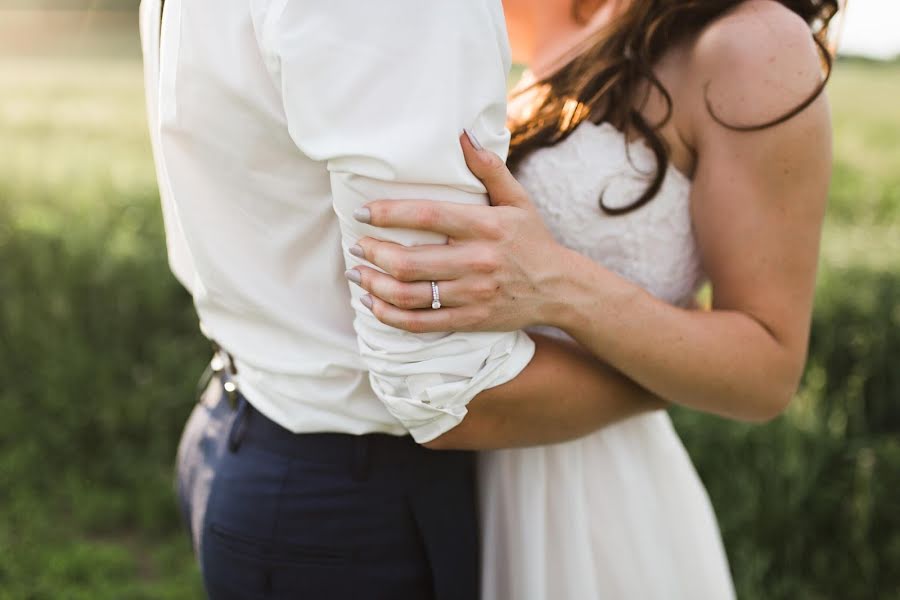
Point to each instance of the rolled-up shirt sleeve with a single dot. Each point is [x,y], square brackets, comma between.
[380,92]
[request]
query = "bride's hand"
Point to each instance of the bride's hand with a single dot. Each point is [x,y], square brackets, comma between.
[496,273]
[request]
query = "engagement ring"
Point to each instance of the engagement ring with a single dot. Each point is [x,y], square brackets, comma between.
[435,296]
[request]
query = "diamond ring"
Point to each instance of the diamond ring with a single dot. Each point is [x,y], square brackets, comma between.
[435,296]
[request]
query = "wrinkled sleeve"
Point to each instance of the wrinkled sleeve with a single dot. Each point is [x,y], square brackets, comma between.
[380,92]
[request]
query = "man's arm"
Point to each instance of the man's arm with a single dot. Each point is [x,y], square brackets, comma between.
[380,92]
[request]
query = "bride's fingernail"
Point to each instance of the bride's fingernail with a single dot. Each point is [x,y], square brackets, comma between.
[357,251]
[363,215]
[474,140]
[367,301]
[353,275]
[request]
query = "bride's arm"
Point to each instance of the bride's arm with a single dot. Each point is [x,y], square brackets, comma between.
[757,205]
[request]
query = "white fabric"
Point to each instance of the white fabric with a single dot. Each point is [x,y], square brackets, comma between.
[620,514]
[271,121]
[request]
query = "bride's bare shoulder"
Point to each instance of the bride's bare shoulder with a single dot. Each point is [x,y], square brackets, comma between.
[754,63]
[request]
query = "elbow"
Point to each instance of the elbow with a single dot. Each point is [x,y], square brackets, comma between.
[771,400]
[774,386]
[767,409]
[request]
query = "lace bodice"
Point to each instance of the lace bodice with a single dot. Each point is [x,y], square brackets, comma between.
[653,246]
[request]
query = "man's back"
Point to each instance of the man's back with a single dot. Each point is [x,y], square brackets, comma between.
[259,244]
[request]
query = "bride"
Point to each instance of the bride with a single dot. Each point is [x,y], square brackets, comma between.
[657,144]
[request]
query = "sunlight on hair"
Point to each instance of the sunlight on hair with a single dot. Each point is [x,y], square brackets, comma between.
[573,112]
[836,30]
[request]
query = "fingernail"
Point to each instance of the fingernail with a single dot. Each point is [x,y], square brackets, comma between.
[363,215]
[353,275]
[367,301]
[357,251]
[473,139]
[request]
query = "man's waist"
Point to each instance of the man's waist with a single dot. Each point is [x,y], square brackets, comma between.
[340,403]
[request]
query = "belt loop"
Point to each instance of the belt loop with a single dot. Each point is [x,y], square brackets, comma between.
[223,362]
[231,392]
[362,451]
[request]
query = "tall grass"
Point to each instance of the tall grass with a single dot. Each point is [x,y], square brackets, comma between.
[98,345]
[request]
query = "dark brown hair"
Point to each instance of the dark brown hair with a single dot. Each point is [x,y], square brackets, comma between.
[613,74]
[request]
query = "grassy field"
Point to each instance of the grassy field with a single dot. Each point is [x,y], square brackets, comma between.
[99,351]
[99,345]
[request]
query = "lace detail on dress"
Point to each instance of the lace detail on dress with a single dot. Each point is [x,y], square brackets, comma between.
[653,246]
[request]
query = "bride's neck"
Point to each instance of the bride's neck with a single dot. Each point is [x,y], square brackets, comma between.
[551,49]
[556,39]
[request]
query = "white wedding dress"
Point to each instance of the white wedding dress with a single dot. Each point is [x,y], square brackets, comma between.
[620,514]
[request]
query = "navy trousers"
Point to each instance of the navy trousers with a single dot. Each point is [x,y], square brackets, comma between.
[274,514]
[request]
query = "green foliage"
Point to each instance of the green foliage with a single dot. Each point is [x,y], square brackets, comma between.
[99,354]
[808,504]
[99,349]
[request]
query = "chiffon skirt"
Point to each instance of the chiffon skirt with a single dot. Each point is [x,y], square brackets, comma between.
[620,514]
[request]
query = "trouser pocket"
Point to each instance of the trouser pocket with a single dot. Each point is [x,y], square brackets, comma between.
[274,553]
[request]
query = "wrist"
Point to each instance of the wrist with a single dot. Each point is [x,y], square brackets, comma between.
[584,292]
[562,291]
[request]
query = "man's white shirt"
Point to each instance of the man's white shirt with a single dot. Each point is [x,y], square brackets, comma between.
[271,121]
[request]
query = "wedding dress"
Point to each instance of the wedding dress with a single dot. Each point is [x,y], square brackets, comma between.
[620,514]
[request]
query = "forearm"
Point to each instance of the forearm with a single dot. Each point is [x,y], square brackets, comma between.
[564,393]
[722,362]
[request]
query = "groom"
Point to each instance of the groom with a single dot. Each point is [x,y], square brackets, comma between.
[302,472]
[272,121]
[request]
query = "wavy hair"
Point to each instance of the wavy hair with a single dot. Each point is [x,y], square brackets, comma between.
[613,73]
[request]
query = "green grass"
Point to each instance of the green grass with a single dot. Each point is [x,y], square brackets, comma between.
[863,226]
[99,345]
[99,353]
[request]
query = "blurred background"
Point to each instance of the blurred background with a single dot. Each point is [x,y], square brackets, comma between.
[100,351]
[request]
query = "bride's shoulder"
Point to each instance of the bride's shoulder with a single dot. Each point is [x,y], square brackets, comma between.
[752,34]
[753,63]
